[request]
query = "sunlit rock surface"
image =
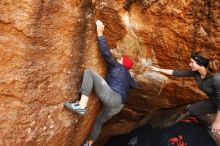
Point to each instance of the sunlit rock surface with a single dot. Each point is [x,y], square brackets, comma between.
[45,46]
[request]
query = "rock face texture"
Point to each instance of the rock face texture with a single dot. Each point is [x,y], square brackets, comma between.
[45,46]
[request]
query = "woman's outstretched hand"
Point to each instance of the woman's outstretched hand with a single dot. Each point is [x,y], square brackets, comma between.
[153,68]
[100,27]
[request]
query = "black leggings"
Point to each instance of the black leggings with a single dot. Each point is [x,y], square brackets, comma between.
[202,107]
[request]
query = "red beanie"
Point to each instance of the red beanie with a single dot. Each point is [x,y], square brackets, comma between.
[127,62]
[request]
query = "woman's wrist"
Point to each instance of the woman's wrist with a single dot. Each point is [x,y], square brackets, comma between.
[100,34]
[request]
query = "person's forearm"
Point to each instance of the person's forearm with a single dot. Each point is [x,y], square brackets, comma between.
[100,27]
[166,71]
[105,51]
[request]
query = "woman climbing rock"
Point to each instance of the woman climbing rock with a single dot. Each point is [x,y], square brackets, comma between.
[112,91]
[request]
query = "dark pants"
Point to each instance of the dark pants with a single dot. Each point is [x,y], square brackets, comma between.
[202,107]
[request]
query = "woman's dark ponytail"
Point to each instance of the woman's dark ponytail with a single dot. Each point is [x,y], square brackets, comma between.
[213,66]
